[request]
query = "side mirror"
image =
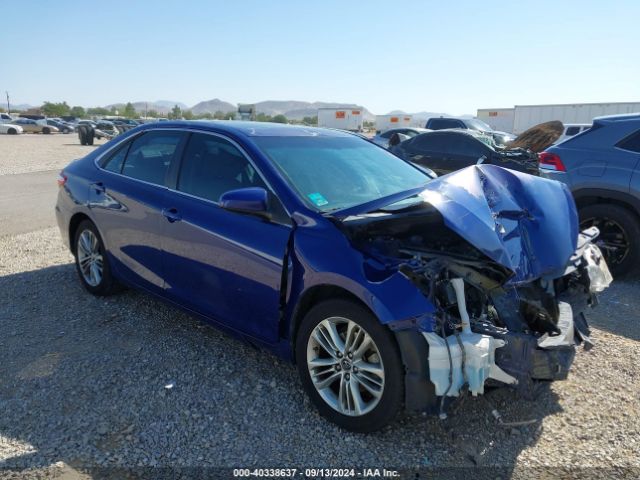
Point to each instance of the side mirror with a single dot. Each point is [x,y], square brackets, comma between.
[252,200]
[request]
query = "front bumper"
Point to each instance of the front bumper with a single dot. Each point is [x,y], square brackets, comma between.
[524,359]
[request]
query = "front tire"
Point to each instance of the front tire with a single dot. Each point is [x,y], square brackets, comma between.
[12,131]
[619,237]
[92,263]
[46,130]
[350,366]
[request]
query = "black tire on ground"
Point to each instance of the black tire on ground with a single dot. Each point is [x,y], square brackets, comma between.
[90,135]
[12,131]
[82,134]
[46,130]
[611,218]
[392,398]
[108,284]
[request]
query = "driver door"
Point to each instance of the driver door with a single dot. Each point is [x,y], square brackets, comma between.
[222,264]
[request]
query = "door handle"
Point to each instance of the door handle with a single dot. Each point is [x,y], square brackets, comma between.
[98,187]
[171,214]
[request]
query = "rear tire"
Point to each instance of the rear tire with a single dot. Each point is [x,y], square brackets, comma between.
[619,230]
[371,377]
[92,263]
[46,130]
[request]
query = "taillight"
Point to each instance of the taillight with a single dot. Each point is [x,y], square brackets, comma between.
[551,161]
[62,179]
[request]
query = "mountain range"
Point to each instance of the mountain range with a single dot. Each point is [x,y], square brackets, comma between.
[292,109]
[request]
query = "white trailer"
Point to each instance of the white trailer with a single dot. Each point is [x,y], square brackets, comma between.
[500,119]
[526,116]
[387,122]
[343,118]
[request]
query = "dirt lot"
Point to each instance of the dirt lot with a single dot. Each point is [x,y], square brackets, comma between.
[128,381]
[35,152]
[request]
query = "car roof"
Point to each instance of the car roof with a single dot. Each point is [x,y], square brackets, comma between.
[253,129]
[629,117]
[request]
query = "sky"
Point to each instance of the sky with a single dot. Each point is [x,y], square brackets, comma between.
[422,55]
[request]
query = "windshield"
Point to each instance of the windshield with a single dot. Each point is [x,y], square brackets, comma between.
[332,173]
[475,124]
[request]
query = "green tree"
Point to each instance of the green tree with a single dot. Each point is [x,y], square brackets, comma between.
[55,109]
[77,112]
[129,111]
[279,119]
[175,113]
[152,114]
[2,110]
[188,115]
[263,117]
[205,116]
[310,120]
[98,111]
[113,110]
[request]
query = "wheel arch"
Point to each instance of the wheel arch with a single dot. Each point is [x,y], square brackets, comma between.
[313,296]
[74,222]
[595,196]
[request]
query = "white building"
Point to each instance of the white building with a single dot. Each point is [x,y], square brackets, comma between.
[522,117]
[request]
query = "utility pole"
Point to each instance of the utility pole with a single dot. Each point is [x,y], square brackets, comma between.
[8,104]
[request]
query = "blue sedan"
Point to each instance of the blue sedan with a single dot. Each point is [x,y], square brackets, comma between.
[387,288]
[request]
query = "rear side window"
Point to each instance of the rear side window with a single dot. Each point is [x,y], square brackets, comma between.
[631,142]
[571,131]
[114,162]
[212,166]
[150,155]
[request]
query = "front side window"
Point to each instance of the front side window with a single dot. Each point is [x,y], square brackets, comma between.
[150,155]
[212,166]
[332,173]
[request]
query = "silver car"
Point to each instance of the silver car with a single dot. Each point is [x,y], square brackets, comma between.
[383,138]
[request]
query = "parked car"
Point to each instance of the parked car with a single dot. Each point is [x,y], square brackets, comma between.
[10,129]
[32,126]
[340,256]
[6,118]
[445,151]
[571,129]
[445,123]
[602,168]
[383,138]
[61,126]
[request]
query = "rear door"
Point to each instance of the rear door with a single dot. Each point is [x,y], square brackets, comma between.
[222,264]
[127,204]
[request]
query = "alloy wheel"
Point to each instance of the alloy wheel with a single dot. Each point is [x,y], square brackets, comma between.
[612,241]
[89,258]
[345,366]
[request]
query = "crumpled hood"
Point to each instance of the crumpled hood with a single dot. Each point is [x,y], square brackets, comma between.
[525,223]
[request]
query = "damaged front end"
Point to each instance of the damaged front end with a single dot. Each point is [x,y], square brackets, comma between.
[498,255]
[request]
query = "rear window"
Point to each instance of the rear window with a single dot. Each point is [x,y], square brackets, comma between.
[442,123]
[631,142]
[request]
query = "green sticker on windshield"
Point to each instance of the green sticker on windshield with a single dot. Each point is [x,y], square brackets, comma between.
[318,199]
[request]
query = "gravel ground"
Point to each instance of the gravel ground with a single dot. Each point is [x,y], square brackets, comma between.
[128,381]
[32,152]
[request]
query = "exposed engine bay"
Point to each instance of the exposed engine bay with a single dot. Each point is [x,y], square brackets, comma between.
[487,329]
